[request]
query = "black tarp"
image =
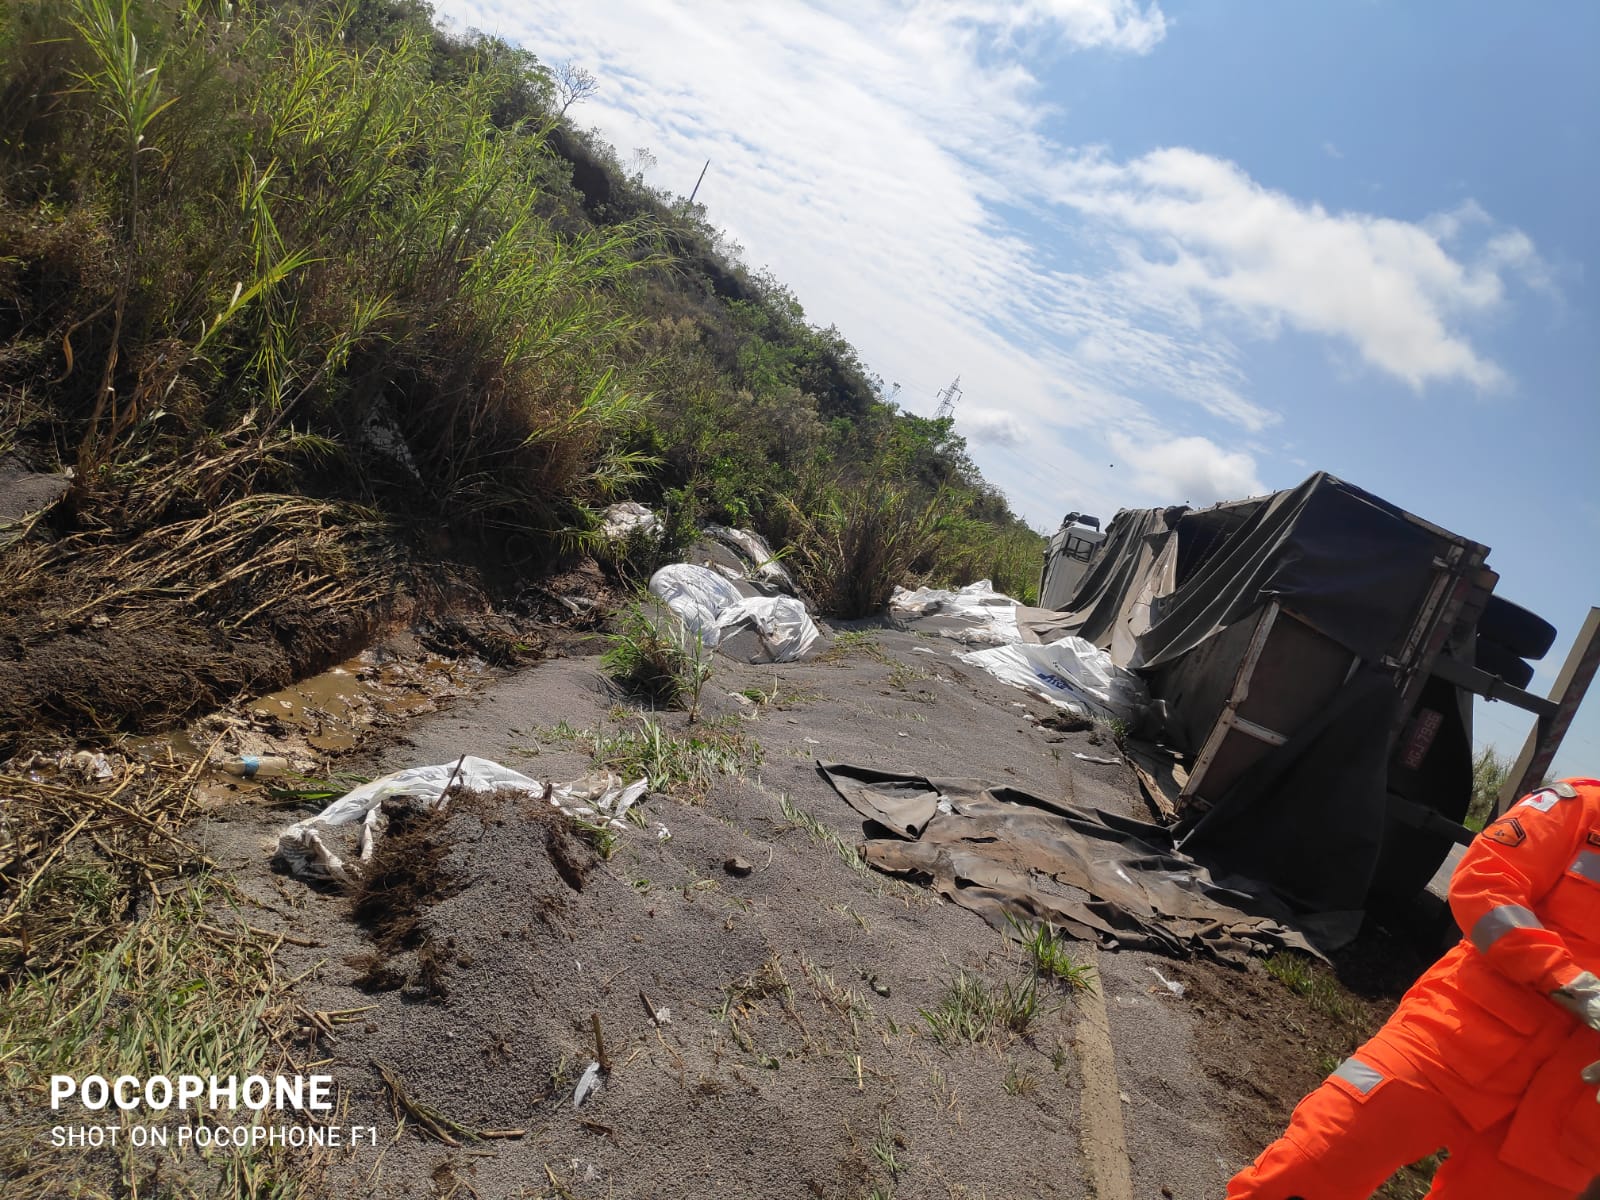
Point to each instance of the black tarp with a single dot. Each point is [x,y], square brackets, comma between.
[1010,856]
[1350,564]
[1121,566]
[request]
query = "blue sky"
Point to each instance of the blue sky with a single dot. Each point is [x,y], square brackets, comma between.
[1175,251]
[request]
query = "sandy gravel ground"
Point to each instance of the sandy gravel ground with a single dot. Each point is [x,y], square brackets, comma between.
[798,1060]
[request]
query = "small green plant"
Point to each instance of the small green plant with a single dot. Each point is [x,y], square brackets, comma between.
[765,982]
[671,763]
[853,641]
[1316,984]
[1046,951]
[602,838]
[1058,1055]
[653,656]
[776,696]
[974,1010]
[886,1146]
[819,833]
[1019,1082]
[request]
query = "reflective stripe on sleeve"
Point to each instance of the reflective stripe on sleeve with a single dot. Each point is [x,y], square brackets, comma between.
[1498,922]
[1358,1075]
[1588,865]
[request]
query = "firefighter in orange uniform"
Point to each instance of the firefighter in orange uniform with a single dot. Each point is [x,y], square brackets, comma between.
[1494,1053]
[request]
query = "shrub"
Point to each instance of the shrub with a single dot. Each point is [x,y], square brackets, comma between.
[851,550]
[653,656]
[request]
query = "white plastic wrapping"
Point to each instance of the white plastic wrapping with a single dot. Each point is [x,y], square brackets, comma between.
[764,565]
[599,799]
[699,596]
[777,628]
[975,615]
[627,517]
[1071,672]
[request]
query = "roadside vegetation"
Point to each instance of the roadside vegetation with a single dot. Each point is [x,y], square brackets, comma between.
[1489,771]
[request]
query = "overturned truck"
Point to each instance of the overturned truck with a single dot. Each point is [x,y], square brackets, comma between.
[1312,657]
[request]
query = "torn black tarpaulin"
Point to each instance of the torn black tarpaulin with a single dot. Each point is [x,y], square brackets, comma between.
[1005,853]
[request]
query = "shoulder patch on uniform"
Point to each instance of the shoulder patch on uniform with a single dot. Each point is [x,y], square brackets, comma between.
[1544,799]
[1565,790]
[1508,831]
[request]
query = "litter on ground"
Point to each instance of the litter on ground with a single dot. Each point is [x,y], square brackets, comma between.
[304,847]
[750,628]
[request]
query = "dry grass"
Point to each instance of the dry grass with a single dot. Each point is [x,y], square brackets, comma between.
[121,953]
[170,597]
[78,859]
[428,1121]
[235,559]
[851,547]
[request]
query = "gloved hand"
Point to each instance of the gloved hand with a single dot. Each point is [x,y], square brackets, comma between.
[1581,998]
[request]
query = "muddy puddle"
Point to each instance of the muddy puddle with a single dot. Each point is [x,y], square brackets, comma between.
[294,735]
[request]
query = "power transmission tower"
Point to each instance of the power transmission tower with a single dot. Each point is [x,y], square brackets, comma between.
[947,400]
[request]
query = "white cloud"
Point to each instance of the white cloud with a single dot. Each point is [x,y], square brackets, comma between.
[990,425]
[1212,234]
[1189,470]
[874,153]
[1087,24]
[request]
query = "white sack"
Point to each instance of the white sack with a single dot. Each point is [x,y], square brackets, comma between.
[781,629]
[764,565]
[624,518]
[598,799]
[698,595]
[1071,672]
[710,606]
[975,615]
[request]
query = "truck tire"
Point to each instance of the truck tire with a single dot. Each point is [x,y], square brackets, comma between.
[1494,658]
[1525,634]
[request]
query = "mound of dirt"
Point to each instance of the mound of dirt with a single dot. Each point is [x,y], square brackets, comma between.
[416,866]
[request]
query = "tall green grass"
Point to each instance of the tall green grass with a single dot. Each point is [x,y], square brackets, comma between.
[252,219]
[325,217]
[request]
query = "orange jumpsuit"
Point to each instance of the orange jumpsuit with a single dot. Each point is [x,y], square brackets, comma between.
[1477,1057]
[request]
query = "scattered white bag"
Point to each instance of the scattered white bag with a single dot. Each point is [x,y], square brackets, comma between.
[598,799]
[779,628]
[1070,672]
[975,615]
[625,518]
[699,596]
[764,565]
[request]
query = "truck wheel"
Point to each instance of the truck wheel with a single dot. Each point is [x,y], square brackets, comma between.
[1497,660]
[1525,634]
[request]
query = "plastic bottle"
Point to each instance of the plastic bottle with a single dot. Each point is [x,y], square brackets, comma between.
[254,766]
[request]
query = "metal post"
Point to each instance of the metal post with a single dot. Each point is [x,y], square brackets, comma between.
[1545,739]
